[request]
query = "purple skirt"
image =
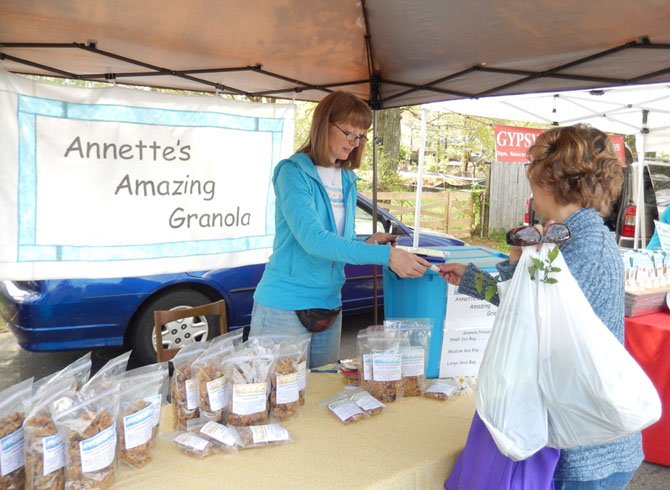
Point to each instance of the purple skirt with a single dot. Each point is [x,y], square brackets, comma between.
[481,466]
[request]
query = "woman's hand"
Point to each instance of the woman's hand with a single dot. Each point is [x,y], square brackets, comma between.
[452,273]
[406,264]
[382,239]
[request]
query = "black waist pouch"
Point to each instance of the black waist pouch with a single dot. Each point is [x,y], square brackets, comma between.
[317,319]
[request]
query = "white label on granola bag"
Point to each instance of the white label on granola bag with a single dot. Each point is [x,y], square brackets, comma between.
[53,452]
[440,387]
[268,433]
[302,375]
[216,394]
[413,362]
[386,367]
[155,404]
[367,367]
[11,452]
[249,398]
[98,452]
[191,394]
[138,427]
[220,433]
[288,389]
[366,401]
[191,441]
[344,409]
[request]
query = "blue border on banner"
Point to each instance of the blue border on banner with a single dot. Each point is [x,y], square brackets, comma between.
[30,108]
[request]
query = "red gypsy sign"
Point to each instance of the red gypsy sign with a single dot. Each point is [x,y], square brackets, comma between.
[512,143]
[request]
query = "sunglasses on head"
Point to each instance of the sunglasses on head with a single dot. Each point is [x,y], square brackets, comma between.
[529,235]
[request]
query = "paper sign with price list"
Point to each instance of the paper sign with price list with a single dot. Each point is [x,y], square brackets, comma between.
[467,327]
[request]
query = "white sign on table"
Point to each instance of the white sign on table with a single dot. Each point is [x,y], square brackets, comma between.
[467,327]
[663,230]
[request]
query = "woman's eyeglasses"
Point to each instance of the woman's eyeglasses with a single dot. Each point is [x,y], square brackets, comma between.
[529,235]
[351,137]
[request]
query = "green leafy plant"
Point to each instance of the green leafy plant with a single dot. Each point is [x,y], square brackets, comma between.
[485,284]
[544,267]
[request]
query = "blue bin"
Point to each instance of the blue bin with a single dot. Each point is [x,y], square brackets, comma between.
[425,297]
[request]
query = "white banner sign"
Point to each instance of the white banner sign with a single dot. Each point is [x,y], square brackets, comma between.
[663,230]
[467,327]
[119,182]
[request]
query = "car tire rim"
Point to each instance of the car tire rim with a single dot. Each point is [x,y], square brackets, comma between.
[182,332]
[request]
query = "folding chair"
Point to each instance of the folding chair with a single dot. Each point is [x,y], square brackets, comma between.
[165,320]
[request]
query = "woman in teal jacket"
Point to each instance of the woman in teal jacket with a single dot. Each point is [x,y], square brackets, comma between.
[315,211]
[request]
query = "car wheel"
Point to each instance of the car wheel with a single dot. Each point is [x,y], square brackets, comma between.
[175,334]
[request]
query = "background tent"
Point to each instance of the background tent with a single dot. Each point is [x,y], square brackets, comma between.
[392,52]
[643,111]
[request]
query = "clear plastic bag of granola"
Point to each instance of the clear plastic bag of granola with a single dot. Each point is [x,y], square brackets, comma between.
[43,448]
[368,403]
[247,376]
[440,389]
[191,444]
[286,390]
[183,389]
[380,351]
[262,435]
[344,409]
[80,369]
[112,369]
[141,398]
[224,438]
[207,373]
[12,414]
[280,338]
[87,426]
[414,355]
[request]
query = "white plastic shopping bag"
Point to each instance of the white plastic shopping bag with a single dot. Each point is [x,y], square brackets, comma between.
[594,390]
[509,399]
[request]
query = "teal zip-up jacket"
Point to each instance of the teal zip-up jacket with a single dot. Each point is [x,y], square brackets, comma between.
[306,269]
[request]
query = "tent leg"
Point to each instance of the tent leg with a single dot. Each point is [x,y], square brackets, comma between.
[375,273]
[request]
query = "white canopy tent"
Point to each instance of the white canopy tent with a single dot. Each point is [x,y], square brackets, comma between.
[643,111]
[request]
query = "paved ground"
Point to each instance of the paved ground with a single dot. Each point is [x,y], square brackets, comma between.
[17,364]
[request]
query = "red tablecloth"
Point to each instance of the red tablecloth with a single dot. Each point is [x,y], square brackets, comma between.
[648,341]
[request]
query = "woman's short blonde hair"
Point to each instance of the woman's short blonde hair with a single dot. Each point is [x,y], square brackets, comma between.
[577,164]
[339,108]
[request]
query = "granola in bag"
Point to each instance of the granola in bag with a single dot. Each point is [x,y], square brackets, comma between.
[207,372]
[12,415]
[141,399]
[382,364]
[262,435]
[286,388]
[278,340]
[80,370]
[440,390]
[414,353]
[43,447]
[248,375]
[191,444]
[87,425]
[183,389]
[224,438]
[366,402]
[344,408]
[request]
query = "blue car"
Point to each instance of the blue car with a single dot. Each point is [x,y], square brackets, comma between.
[68,314]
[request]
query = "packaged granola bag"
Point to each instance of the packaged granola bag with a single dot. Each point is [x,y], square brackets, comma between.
[112,369]
[12,414]
[43,447]
[344,408]
[141,398]
[79,369]
[207,373]
[382,363]
[87,425]
[414,353]
[247,374]
[285,387]
[224,438]
[183,389]
[262,435]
